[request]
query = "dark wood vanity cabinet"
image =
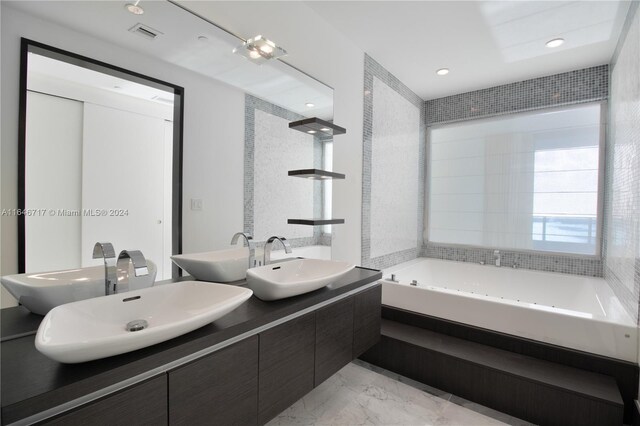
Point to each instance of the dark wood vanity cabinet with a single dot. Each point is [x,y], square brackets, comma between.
[141,404]
[334,338]
[367,319]
[249,382]
[286,365]
[219,389]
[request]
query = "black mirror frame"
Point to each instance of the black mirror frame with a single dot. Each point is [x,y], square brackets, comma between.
[27,46]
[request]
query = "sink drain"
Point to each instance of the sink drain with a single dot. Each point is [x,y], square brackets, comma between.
[136,325]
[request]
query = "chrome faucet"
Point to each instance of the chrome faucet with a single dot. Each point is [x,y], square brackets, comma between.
[497,257]
[252,246]
[108,254]
[269,244]
[139,268]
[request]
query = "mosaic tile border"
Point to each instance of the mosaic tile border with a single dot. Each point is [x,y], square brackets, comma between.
[251,104]
[613,269]
[373,69]
[573,87]
[509,258]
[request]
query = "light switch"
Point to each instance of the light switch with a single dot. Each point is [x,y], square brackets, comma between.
[196,204]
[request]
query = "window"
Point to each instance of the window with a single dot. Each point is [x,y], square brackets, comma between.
[527,181]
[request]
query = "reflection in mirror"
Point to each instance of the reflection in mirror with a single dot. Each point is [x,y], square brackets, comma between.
[98,155]
[238,145]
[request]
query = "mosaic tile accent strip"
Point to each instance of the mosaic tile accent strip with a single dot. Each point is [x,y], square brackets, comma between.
[526,260]
[253,104]
[574,87]
[622,178]
[373,70]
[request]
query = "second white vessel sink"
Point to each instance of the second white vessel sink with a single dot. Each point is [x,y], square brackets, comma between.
[111,325]
[222,266]
[40,292]
[286,279]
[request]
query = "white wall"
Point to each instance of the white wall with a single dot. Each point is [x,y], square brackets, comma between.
[317,48]
[54,149]
[213,133]
[123,168]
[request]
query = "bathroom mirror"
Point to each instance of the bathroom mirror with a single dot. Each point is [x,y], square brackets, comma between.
[237,148]
[102,151]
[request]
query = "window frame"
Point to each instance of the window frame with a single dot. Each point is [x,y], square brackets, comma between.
[604,110]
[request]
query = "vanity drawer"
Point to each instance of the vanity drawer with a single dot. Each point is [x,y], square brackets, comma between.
[143,404]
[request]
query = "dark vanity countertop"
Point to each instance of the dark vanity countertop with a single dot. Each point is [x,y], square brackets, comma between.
[32,383]
[18,322]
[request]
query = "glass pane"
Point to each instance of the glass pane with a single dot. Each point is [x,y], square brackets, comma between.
[526,181]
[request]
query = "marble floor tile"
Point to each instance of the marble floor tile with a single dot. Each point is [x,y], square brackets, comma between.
[362,394]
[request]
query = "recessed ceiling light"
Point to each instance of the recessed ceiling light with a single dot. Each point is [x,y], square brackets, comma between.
[325,129]
[203,38]
[311,132]
[443,71]
[134,8]
[555,42]
[310,105]
[117,87]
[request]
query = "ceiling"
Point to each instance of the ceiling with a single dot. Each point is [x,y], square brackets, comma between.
[179,44]
[483,43]
[55,69]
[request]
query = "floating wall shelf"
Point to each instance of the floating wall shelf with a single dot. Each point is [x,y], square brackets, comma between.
[316,174]
[314,222]
[314,125]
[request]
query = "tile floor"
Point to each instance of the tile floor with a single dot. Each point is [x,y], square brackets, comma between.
[362,394]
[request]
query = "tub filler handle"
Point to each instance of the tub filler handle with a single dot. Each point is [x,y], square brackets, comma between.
[414,283]
[393,278]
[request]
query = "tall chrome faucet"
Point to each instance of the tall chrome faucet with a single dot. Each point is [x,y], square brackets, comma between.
[269,245]
[252,246]
[108,254]
[122,266]
[497,257]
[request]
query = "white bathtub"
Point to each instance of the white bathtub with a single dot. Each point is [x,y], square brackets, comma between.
[567,310]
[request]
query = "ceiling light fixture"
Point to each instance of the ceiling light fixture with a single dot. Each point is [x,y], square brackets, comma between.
[443,71]
[134,8]
[310,104]
[311,132]
[554,43]
[259,50]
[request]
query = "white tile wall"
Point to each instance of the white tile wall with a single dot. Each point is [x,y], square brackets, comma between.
[277,196]
[395,171]
[622,245]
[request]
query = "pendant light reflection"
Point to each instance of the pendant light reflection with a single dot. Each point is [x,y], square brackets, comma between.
[259,50]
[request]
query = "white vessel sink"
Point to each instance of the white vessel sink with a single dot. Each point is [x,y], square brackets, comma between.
[222,266]
[98,328]
[43,291]
[286,279]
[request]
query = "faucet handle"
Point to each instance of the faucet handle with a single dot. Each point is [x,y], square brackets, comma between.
[103,250]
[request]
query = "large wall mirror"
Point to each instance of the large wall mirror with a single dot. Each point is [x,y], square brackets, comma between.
[102,138]
[101,152]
